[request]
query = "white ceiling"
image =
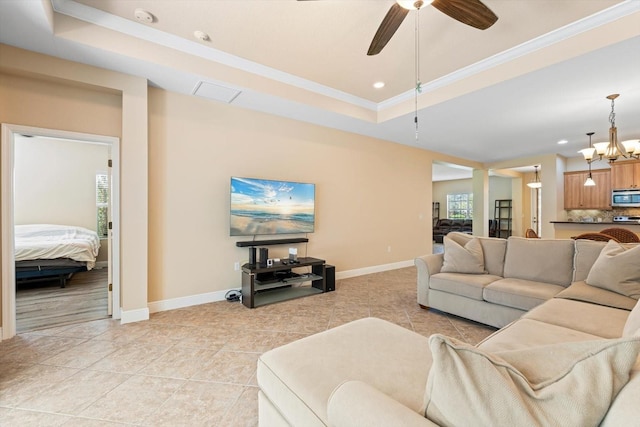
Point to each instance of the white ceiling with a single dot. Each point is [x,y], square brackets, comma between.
[540,74]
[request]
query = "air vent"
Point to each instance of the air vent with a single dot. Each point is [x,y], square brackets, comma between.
[216,92]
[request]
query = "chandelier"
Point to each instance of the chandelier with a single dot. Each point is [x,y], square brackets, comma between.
[612,149]
[536,183]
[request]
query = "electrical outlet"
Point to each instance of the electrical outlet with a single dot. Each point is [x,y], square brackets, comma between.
[236,266]
[388,248]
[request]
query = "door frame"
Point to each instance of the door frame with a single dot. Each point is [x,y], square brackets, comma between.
[536,210]
[7,152]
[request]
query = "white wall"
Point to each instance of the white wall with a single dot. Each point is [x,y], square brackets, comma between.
[55,181]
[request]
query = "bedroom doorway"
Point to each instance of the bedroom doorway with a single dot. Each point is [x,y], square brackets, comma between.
[106,184]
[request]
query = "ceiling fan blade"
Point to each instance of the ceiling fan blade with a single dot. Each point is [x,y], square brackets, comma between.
[387,28]
[470,12]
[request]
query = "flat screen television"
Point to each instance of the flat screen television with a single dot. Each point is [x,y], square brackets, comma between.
[262,206]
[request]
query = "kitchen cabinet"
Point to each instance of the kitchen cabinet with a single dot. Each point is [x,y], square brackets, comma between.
[577,196]
[625,175]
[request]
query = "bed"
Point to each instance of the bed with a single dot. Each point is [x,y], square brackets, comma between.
[47,251]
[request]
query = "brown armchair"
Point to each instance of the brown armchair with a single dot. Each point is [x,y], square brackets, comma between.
[530,234]
[600,237]
[622,234]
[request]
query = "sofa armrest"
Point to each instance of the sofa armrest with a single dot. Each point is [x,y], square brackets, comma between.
[356,403]
[427,266]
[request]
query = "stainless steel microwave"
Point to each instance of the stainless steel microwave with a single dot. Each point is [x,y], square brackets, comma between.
[625,198]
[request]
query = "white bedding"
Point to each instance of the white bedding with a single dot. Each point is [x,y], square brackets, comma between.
[48,241]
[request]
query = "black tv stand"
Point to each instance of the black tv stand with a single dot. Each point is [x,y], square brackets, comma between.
[250,243]
[268,285]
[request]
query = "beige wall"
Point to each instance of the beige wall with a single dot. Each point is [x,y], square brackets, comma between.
[45,104]
[370,194]
[55,181]
[59,94]
[373,198]
[499,188]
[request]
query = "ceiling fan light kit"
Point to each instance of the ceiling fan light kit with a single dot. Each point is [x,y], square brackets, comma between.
[413,4]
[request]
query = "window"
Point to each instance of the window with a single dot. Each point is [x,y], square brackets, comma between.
[102,203]
[460,206]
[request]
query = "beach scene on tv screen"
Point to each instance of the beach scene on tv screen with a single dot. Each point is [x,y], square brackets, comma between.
[260,206]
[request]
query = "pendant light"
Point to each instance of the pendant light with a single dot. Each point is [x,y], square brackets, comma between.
[589,181]
[536,183]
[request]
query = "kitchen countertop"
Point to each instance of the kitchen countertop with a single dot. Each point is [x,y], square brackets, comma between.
[597,223]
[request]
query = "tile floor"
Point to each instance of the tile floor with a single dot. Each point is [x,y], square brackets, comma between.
[193,366]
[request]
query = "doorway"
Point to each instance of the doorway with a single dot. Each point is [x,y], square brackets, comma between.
[536,210]
[11,135]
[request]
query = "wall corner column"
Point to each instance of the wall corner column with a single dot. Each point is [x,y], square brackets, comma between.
[480,182]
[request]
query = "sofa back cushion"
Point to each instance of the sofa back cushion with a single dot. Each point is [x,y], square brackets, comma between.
[617,269]
[586,253]
[493,250]
[540,260]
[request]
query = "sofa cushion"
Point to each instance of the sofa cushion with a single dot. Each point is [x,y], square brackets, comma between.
[493,250]
[580,316]
[581,291]
[540,260]
[527,387]
[624,409]
[525,333]
[467,285]
[519,293]
[632,325]
[356,403]
[586,253]
[463,258]
[389,357]
[617,269]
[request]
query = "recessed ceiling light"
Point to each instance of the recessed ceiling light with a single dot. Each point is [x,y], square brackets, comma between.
[378,85]
[563,141]
[143,16]
[201,35]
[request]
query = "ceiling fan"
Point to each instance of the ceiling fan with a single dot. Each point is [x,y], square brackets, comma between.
[470,12]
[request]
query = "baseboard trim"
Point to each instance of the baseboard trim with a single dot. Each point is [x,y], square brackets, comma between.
[373,269]
[191,300]
[130,316]
[188,301]
[101,264]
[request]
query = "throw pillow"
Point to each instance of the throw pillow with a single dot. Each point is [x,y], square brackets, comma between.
[463,259]
[617,269]
[632,325]
[569,384]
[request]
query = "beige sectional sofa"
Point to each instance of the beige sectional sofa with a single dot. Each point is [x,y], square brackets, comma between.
[521,274]
[568,358]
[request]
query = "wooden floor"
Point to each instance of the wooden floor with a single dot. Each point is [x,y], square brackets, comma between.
[45,304]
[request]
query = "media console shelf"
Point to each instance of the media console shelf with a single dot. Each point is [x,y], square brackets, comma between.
[250,243]
[268,285]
